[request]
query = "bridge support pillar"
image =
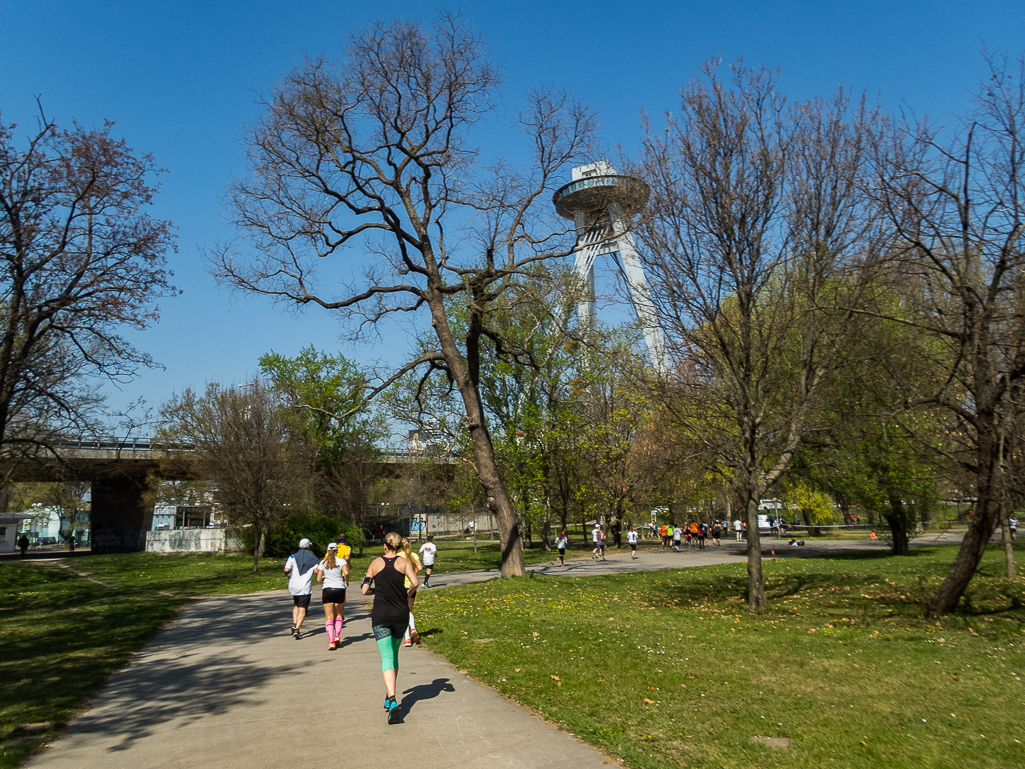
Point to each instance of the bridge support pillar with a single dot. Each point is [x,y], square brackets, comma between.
[120,517]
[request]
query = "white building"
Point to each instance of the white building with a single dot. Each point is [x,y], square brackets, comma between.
[10,530]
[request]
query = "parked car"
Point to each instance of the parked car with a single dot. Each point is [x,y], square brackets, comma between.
[46,541]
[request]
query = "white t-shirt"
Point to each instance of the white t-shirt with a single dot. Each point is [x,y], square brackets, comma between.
[631,537]
[596,535]
[298,584]
[333,577]
[677,533]
[561,541]
[737,525]
[428,550]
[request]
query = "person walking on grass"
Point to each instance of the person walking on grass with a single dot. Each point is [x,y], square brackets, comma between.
[410,637]
[385,580]
[631,539]
[560,543]
[299,567]
[333,571]
[428,552]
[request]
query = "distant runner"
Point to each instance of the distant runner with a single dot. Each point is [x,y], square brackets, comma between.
[631,538]
[428,552]
[299,568]
[560,542]
[333,571]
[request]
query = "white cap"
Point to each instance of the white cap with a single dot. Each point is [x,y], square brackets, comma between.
[304,542]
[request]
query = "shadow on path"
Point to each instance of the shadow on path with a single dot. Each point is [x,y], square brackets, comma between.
[183,691]
[424,692]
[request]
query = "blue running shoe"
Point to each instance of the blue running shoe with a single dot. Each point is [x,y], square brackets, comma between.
[394,714]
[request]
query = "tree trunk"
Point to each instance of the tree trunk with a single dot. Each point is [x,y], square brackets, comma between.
[1005,533]
[756,600]
[897,520]
[980,529]
[466,372]
[256,549]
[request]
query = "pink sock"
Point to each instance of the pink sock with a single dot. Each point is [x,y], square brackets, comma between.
[329,626]
[338,626]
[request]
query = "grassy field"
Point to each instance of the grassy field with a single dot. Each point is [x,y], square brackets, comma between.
[61,635]
[667,669]
[457,555]
[661,669]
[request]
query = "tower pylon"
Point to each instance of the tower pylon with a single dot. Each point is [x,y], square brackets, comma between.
[600,202]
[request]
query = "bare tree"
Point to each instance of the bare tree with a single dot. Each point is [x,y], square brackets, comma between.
[957,202]
[374,154]
[757,216]
[79,257]
[248,445]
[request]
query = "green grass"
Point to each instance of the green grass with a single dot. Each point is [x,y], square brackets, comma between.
[61,636]
[455,556]
[668,669]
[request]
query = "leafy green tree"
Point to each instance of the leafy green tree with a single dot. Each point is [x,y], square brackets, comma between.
[757,207]
[327,394]
[955,196]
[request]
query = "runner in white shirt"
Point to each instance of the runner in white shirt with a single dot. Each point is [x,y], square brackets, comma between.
[631,538]
[333,571]
[299,568]
[560,543]
[428,552]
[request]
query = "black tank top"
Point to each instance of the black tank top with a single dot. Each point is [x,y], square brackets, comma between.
[390,607]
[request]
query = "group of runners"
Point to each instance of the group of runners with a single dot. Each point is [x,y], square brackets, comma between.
[692,534]
[392,579]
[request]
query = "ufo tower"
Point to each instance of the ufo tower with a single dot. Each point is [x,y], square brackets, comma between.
[600,203]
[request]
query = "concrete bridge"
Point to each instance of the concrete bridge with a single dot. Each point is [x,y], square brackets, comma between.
[119,470]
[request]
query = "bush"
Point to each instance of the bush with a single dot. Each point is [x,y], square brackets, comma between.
[320,528]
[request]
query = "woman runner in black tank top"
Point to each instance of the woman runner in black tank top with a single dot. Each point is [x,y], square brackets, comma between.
[390,614]
[390,597]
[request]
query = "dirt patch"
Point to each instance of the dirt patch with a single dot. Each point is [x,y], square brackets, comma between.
[781,743]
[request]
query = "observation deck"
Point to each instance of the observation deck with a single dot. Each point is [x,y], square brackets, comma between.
[594,194]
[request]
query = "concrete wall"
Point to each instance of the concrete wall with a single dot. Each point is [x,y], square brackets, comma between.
[193,541]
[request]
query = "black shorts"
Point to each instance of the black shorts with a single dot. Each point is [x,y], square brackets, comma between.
[633,546]
[302,601]
[332,595]
[389,631]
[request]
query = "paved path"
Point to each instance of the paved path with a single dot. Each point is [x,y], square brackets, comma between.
[225,686]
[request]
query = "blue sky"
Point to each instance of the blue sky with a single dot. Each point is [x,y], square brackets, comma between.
[181,79]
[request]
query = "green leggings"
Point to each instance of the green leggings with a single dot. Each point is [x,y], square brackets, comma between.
[389,640]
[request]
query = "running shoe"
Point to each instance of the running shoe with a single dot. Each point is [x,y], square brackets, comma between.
[332,646]
[414,636]
[387,702]
[406,642]
[296,634]
[394,714]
